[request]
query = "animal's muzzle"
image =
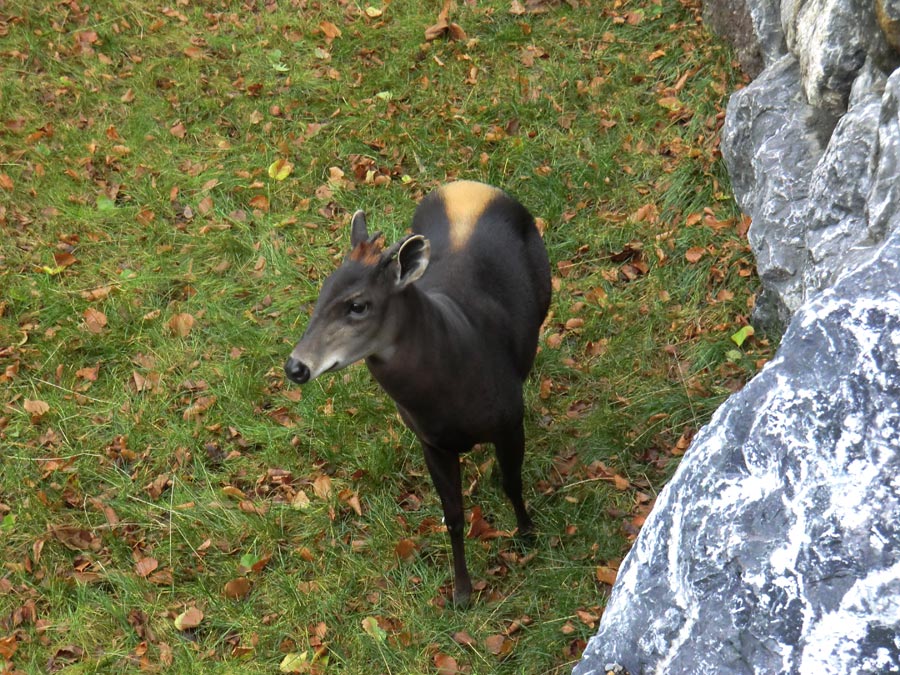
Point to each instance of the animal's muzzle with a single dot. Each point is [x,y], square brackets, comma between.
[296,371]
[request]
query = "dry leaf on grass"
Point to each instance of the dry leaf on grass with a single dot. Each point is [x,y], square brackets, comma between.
[237,589]
[76,538]
[694,254]
[499,645]
[405,550]
[37,409]
[443,26]
[446,664]
[322,486]
[145,566]
[181,324]
[189,618]
[94,320]
[606,575]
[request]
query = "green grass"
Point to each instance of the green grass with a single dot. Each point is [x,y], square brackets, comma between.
[134,146]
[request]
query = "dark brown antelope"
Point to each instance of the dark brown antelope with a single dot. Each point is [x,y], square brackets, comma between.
[447,320]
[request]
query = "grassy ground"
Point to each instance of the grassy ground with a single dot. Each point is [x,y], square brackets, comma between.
[167,501]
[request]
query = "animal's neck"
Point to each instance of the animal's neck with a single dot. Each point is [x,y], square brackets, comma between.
[430,332]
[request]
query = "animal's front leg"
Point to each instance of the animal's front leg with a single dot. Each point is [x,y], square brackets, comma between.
[443,466]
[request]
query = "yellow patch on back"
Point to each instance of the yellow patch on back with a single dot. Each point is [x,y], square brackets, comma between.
[464,203]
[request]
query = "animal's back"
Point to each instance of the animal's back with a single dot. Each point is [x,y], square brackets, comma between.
[487,255]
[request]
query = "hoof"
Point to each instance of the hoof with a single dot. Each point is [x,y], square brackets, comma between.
[527,538]
[462,598]
[525,533]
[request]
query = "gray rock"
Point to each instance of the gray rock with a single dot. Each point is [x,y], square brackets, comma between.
[776,546]
[884,198]
[836,217]
[771,143]
[831,40]
[753,28]
[888,14]
[803,144]
[731,19]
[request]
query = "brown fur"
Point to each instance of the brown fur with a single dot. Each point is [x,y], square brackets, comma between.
[368,252]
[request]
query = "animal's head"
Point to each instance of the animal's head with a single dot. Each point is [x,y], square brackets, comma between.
[355,316]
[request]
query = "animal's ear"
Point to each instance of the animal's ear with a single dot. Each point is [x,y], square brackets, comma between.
[412,260]
[358,231]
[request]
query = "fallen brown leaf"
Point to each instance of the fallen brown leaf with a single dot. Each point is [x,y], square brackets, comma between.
[156,487]
[694,254]
[589,619]
[76,538]
[261,562]
[478,526]
[546,388]
[405,550]
[283,416]
[330,31]
[463,638]
[148,382]
[443,26]
[198,407]
[63,259]
[145,566]
[237,589]
[322,486]
[88,373]
[64,656]
[37,409]
[499,645]
[205,205]
[445,664]
[98,293]
[94,320]
[181,324]
[8,646]
[606,575]
[351,499]
[145,216]
[300,500]
[260,202]
[232,491]
[189,618]
[256,509]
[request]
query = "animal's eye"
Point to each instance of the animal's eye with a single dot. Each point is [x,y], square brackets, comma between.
[357,308]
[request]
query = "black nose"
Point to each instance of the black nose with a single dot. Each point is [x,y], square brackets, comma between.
[296,370]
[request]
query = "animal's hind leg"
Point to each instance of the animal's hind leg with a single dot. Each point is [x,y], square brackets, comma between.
[510,447]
